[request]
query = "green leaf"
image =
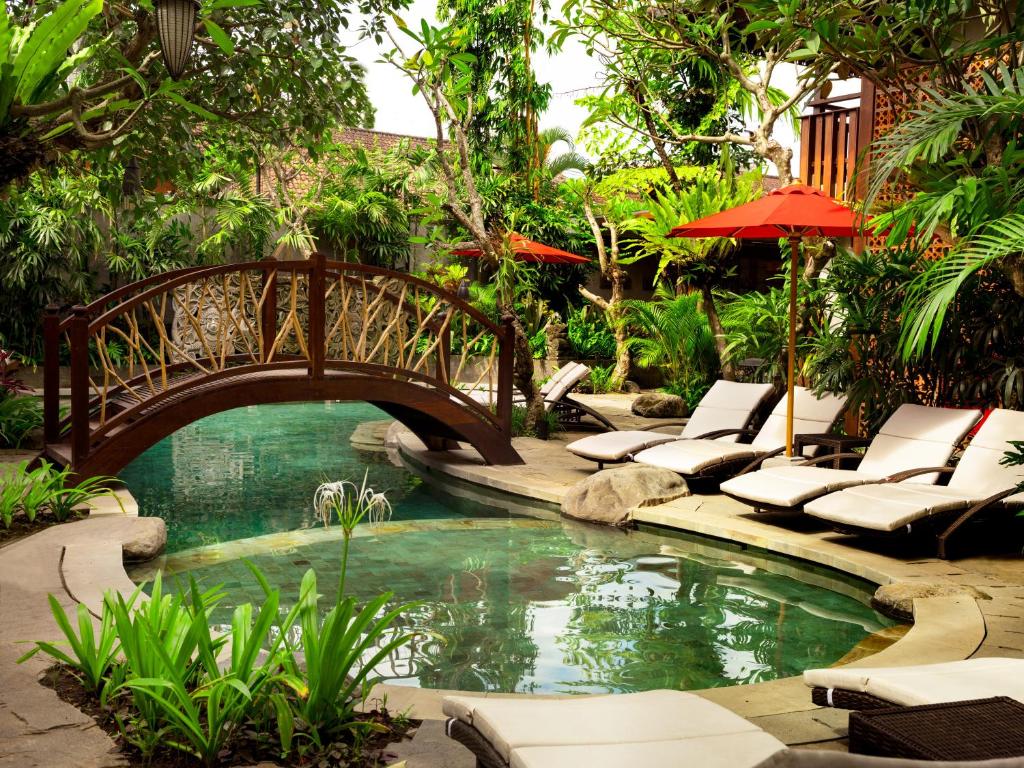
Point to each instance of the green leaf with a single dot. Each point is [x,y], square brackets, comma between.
[220,37]
[177,98]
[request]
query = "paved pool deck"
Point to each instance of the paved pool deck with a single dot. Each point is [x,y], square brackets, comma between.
[79,561]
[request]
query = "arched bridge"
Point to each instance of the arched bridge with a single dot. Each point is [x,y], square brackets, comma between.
[158,354]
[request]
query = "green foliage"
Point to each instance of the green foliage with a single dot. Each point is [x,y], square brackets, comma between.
[672,334]
[20,416]
[550,424]
[295,680]
[858,326]
[757,326]
[30,492]
[589,335]
[33,56]
[90,654]
[601,380]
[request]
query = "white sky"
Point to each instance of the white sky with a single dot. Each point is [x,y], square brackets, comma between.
[570,73]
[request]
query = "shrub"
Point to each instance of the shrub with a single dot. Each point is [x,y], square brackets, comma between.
[19,417]
[30,492]
[589,334]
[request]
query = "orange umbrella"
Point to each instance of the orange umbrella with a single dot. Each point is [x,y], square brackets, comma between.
[792,212]
[526,250]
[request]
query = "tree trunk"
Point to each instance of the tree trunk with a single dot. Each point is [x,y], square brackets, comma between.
[522,375]
[728,372]
[614,315]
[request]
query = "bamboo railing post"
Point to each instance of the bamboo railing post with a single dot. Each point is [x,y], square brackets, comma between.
[506,363]
[268,314]
[444,356]
[317,314]
[79,339]
[51,373]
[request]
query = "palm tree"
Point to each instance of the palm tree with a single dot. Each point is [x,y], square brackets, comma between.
[566,161]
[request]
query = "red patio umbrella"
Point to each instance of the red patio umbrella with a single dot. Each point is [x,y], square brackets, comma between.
[792,212]
[526,250]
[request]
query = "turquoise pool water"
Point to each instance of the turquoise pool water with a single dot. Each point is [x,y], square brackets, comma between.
[512,599]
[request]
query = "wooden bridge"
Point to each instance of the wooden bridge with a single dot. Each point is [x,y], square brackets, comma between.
[158,354]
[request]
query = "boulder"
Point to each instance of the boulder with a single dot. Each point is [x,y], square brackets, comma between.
[658,405]
[897,599]
[148,539]
[608,496]
[630,387]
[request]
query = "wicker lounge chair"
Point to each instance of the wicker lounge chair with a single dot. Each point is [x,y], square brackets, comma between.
[872,688]
[728,405]
[715,458]
[556,392]
[978,483]
[638,729]
[915,436]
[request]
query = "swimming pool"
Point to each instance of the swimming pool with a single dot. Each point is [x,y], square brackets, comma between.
[511,597]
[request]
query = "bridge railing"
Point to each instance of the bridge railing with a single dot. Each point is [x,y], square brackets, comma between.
[144,344]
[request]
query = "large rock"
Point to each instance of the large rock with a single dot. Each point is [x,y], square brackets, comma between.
[658,405]
[607,496]
[897,599]
[149,537]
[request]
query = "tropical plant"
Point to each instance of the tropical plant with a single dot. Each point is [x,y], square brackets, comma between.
[589,335]
[65,493]
[20,416]
[672,333]
[700,263]
[757,327]
[12,488]
[90,654]
[602,379]
[570,160]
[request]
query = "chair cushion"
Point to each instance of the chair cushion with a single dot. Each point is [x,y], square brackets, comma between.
[810,415]
[888,506]
[727,405]
[513,723]
[928,683]
[735,750]
[917,436]
[792,486]
[689,457]
[616,446]
[979,470]
[571,377]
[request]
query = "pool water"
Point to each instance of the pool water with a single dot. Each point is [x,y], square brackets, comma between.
[511,598]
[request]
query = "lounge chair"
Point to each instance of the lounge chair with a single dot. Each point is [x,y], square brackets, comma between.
[874,687]
[915,436]
[650,729]
[556,391]
[715,458]
[978,483]
[728,405]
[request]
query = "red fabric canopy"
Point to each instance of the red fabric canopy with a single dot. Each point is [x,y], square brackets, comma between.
[793,210]
[528,250]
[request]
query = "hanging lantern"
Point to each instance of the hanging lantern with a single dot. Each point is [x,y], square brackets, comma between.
[176,22]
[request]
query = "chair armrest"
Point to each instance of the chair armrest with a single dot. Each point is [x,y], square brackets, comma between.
[715,434]
[981,506]
[899,477]
[653,427]
[756,463]
[830,457]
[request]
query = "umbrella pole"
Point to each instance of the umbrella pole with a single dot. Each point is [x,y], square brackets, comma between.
[794,266]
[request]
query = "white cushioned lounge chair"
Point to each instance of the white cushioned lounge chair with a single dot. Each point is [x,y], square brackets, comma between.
[728,405]
[874,687]
[556,392]
[655,728]
[978,483]
[706,458]
[914,436]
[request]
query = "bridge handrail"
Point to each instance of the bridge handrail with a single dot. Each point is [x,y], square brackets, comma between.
[86,322]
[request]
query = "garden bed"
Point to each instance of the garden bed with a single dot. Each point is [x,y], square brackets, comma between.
[384,729]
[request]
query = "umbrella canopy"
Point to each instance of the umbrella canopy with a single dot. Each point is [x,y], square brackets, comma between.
[793,212]
[526,250]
